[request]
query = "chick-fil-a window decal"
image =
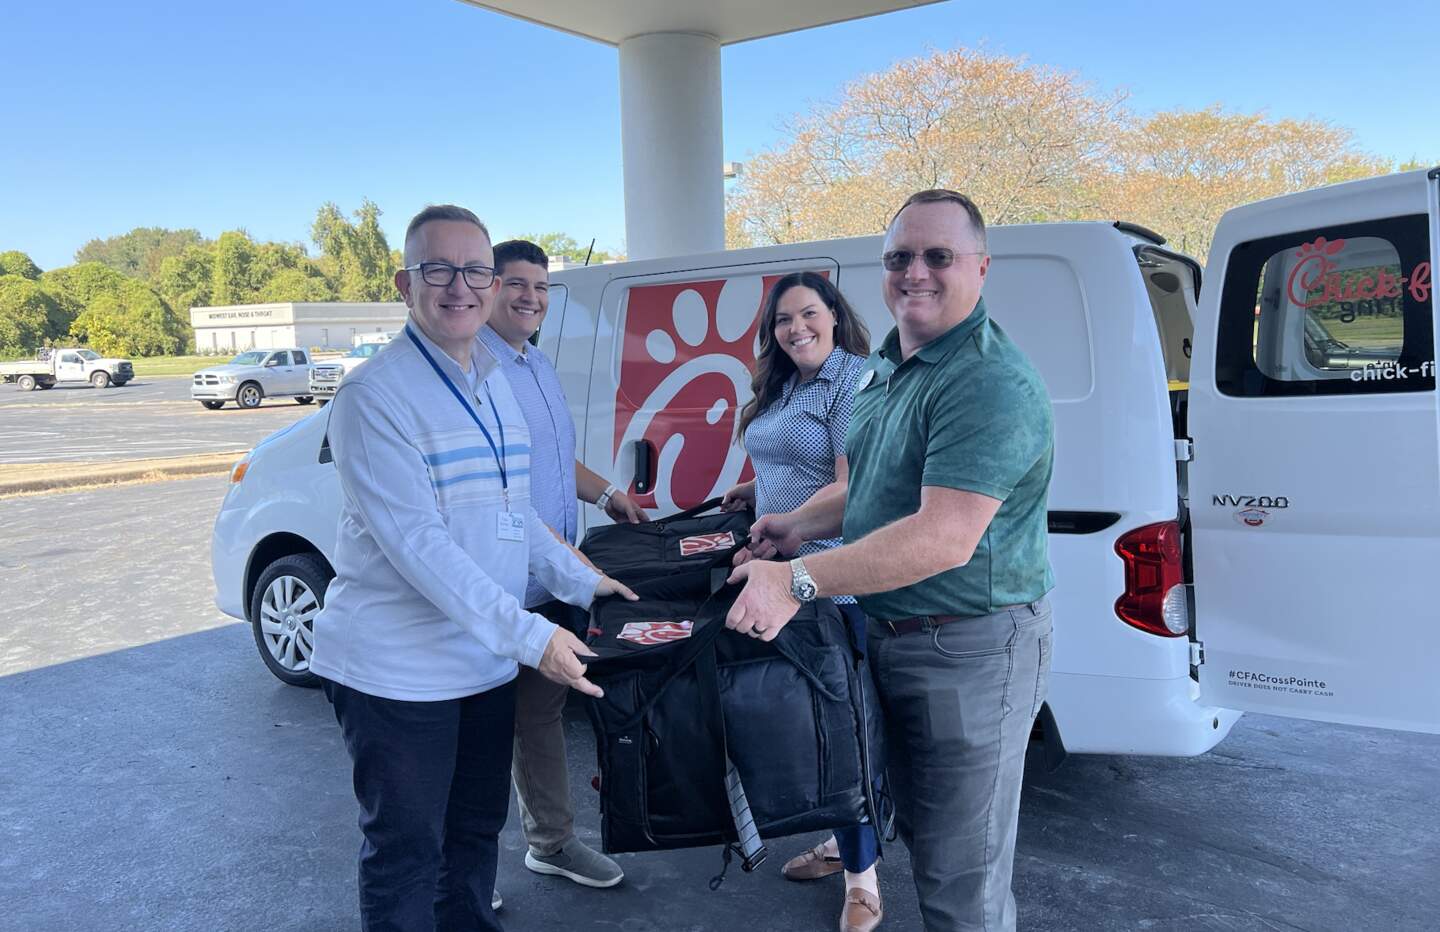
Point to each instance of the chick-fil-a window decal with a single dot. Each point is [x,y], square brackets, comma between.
[1317,281]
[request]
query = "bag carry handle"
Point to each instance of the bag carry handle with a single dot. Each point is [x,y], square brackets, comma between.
[695,511]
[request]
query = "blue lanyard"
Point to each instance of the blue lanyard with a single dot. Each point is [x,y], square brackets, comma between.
[500,452]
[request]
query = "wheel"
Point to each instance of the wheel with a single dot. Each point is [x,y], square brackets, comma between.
[100,379]
[283,607]
[324,402]
[44,385]
[304,399]
[26,383]
[249,395]
[213,405]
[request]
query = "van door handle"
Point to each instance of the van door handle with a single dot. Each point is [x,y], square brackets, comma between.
[644,464]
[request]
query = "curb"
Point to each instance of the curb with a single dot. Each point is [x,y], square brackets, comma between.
[60,477]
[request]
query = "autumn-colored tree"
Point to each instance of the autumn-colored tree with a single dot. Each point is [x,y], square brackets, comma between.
[1028,143]
[1024,140]
[1177,172]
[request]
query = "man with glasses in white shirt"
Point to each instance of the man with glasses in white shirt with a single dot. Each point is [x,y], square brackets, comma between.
[424,626]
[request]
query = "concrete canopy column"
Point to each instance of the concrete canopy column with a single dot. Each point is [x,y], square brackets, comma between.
[671,144]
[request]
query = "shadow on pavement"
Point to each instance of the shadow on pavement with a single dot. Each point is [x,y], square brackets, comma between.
[178,786]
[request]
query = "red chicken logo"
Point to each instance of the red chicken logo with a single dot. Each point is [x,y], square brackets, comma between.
[684,371]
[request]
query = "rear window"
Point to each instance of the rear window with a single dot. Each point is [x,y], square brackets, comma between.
[1333,311]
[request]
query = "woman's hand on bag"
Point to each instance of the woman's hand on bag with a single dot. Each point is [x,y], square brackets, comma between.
[607,586]
[739,497]
[774,535]
[622,507]
[561,663]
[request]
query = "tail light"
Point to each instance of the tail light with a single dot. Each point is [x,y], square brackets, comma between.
[1152,570]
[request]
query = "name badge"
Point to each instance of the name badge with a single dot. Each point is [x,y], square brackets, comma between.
[510,526]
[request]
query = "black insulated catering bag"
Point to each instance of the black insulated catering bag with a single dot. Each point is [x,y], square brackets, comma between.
[687,540]
[685,698]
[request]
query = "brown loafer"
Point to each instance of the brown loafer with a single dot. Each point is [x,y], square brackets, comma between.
[862,911]
[811,865]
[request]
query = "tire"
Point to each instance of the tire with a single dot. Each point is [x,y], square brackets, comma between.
[283,606]
[120,383]
[44,385]
[304,399]
[26,383]
[100,379]
[249,395]
[213,405]
[324,402]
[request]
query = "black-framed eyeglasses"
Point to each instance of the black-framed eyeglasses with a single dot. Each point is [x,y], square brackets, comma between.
[936,257]
[441,274]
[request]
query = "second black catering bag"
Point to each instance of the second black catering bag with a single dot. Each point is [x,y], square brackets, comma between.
[685,698]
[684,541]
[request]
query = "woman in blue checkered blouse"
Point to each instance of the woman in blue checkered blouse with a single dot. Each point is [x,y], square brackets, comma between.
[812,348]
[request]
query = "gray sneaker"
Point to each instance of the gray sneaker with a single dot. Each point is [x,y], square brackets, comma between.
[495,901]
[578,862]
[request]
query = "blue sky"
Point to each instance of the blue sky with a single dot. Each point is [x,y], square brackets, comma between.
[227,115]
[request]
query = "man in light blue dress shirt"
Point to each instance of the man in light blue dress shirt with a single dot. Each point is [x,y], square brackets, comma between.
[540,770]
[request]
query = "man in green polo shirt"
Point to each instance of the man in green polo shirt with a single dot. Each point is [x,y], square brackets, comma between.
[950,450]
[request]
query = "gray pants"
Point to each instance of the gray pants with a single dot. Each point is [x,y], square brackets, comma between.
[958,702]
[542,779]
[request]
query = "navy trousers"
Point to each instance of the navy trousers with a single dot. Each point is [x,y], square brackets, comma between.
[858,844]
[433,783]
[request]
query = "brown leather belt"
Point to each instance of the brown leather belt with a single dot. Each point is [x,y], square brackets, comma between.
[920,623]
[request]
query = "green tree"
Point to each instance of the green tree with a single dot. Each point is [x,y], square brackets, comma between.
[185,281]
[140,252]
[355,256]
[27,314]
[131,321]
[75,287]
[296,285]
[232,278]
[558,245]
[16,262]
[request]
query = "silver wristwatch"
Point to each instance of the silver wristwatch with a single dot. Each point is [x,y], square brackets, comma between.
[802,586]
[604,499]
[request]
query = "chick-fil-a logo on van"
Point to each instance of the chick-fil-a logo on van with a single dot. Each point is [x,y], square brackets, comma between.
[1315,279]
[685,365]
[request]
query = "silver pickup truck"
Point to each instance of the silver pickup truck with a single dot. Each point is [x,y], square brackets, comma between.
[252,376]
[52,366]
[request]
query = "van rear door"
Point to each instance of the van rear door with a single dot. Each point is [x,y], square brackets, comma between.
[1315,491]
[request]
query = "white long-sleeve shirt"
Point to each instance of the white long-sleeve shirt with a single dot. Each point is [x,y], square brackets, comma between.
[426,601]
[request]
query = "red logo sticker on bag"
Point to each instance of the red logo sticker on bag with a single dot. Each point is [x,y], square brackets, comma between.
[655,632]
[706,543]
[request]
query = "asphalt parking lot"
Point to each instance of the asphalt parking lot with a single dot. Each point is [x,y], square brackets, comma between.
[154,776]
[145,419]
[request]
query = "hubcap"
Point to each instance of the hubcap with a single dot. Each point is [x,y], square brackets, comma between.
[287,613]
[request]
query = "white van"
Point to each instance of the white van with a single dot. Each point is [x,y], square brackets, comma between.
[1259,540]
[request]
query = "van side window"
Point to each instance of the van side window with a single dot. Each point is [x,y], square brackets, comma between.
[1336,311]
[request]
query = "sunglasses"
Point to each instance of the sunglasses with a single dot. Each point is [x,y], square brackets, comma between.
[936,257]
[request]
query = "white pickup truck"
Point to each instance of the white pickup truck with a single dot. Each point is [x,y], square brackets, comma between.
[325,377]
[1245,512]
[53,366]
[252,376]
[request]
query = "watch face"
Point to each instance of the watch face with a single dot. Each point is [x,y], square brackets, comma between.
[805,591]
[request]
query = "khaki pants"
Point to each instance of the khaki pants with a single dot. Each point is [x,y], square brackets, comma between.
[542,779]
